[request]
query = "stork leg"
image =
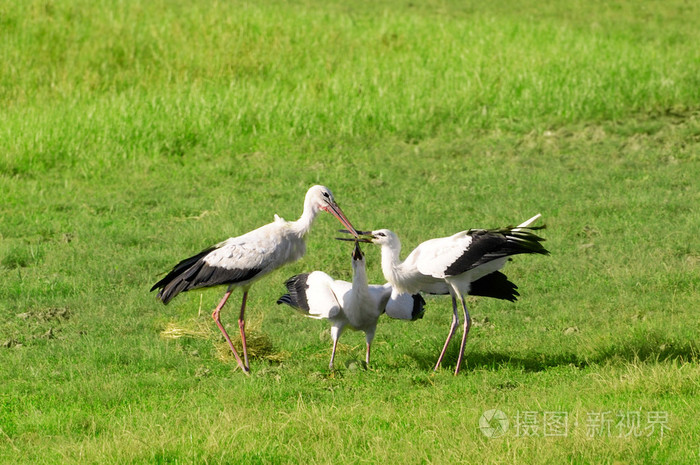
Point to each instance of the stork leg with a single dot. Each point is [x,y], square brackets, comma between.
[467,325]
[453,328]
[241,326]
[335,345]
[335,335]
[369,337]
[217,320]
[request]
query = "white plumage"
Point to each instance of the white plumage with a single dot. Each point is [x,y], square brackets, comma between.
[240,261]
[264,249]
[461,264]
[357,305]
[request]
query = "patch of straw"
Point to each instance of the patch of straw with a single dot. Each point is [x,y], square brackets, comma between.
[194,328]
[259,344]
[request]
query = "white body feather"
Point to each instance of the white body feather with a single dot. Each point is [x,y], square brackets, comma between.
[266,248]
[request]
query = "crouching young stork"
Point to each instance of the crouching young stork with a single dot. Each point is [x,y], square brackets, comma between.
[240,261]
[461,264]
[357,305]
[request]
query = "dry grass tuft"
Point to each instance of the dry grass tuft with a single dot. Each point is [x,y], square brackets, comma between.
[259,347]
[259,343]
[194,328]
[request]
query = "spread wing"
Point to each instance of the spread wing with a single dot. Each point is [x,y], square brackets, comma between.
[312,294]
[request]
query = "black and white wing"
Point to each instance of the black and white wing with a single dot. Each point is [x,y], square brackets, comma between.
[313,294]
[236,261]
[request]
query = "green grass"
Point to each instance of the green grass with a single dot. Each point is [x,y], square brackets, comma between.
[134,135]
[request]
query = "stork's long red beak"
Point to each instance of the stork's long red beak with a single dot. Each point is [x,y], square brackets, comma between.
[334,209]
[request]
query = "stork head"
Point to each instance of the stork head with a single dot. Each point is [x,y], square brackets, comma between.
[381,237]
[384,237]
[321,198]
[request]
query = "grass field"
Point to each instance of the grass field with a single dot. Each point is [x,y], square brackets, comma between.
[132,136]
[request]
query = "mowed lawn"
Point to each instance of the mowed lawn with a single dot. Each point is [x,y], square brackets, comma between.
[135,134]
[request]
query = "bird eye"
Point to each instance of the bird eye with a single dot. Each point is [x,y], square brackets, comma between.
[381,234]
[326,195]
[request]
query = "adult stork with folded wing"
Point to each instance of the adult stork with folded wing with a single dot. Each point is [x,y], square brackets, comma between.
[461,264]
[240,261]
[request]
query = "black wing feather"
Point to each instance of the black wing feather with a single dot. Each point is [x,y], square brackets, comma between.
[492,244]
[418,307]
[181,267]
[194,272]
[296,292]
[495,285]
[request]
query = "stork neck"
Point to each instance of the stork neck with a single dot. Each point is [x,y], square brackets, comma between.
[304,223]
[391,263]
[359,275]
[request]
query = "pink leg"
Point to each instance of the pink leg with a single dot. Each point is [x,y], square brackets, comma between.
[215,315]
[467,325]
[453,327]
[367,355]
[241,325]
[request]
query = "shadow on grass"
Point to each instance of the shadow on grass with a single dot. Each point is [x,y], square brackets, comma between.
[646,350]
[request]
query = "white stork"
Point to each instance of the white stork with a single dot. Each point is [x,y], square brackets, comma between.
[240,261]
[465,263]
[356,305]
